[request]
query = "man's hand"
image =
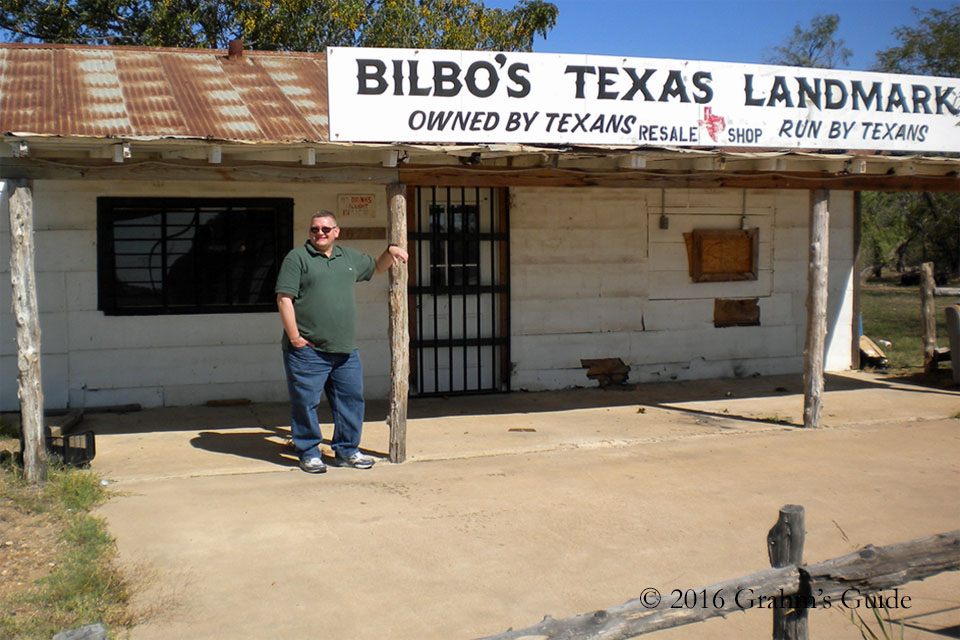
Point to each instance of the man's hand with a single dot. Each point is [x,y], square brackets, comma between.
[300,342]
[392,255]
[398,254]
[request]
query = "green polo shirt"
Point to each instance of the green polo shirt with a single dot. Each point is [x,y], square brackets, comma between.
[323,294]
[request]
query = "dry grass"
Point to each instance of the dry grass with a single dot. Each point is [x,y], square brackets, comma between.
[57,569]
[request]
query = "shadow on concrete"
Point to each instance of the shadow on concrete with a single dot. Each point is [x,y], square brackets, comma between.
[257,446]
[939,381]
[666,395]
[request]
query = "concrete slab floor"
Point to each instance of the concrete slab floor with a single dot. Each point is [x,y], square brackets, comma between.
[488,527]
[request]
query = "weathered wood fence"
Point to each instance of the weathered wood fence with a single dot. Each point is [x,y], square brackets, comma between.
[790,588]
[932,354]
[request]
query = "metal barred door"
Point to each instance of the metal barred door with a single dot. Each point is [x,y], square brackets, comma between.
[459,290]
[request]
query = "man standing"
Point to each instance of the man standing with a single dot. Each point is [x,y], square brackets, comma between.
[315,297]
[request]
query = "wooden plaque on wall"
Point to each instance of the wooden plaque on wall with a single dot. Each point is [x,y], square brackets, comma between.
[718,255]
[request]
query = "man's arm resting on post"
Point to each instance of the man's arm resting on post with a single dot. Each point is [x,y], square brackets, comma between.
[392,255]
[289,319]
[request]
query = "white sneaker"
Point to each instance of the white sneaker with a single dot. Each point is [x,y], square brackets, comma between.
[313,465]
[356,461]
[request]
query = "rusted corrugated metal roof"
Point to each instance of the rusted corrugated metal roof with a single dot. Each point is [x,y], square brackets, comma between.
[139,92]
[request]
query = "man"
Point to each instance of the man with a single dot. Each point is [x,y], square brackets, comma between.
[315,297]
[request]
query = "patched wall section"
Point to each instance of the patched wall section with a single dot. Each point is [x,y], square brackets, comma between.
[605,273]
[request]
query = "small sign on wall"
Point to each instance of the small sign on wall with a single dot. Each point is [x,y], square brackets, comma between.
[356,205]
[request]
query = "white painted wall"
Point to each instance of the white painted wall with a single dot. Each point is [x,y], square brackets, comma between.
[594,276]
[90,359]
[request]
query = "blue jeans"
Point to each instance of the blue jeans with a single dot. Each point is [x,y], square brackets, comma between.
[310,373]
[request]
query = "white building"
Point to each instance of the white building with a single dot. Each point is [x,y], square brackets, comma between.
[166,185]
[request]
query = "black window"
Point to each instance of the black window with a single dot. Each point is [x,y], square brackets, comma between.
[190,255]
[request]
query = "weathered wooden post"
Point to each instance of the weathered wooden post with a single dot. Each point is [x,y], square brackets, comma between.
[816,337]
[785,548]
[928,310]
[399,326]
[23,279]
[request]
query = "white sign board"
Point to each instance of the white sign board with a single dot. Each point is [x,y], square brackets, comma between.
[422,95]
[359,205]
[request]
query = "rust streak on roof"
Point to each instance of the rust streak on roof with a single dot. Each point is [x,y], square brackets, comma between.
[141,92]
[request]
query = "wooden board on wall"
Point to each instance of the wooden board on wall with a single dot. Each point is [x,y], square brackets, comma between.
[742,312]
[719,255]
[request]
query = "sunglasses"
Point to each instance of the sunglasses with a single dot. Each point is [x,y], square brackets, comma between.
[325,230]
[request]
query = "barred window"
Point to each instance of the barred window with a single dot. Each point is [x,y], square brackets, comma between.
[190,255]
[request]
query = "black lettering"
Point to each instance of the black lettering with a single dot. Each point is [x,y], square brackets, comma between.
[674,87]
[438,120]
[581,76]
[627,126]
[895,98]
[779,93]
[513,72]
[639,84]
[942,101]
[415,90]
[581,122]
[867,98]
[701,81]
[446,82]
[398,77]
[921,98]
[605,81]
[808,92]
[493,80]
[416,120]
[371,71]
[835,101]
[749,100]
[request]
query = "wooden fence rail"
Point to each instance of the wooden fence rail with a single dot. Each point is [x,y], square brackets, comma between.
[830,583]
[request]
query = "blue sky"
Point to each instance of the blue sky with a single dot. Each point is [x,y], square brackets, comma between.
[730,31]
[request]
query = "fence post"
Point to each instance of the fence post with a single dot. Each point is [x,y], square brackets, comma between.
[785,548]
[928,310]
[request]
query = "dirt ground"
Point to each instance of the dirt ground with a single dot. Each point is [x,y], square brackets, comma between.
[514,507]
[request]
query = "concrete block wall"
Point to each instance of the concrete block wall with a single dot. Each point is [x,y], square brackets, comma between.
[90,359]
[594,276]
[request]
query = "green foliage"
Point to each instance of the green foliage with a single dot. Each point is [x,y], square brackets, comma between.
[292,25]
[901,230]
[893,313]
[813,47]
[84,586]
[930,48]
[75,489]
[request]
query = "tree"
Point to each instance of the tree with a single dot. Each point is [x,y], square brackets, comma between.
[931,48]
[901,230]
[292,25]
[813,47]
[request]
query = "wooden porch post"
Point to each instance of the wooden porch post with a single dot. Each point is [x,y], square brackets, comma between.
[23,280]
[816,338]
[399,329]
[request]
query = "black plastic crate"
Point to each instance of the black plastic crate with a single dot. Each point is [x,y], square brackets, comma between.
[76,449]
